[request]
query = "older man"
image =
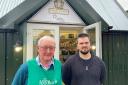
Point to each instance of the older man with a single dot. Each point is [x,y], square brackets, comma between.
[42,70]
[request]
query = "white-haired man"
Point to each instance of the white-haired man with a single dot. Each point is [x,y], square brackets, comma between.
[42,70]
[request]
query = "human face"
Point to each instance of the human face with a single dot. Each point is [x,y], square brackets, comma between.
[46,49]
[83,45]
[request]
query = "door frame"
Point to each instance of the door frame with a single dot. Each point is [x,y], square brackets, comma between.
[29,39]
[98,37]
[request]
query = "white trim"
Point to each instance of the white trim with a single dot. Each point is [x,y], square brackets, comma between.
[29,44]
[97,26]
[52,14]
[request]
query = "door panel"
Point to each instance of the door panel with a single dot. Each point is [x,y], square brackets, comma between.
[34,32]
[94,31]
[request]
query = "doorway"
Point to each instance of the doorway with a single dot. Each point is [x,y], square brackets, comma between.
[68,42]
[65,36]
[34,32]
[68,36]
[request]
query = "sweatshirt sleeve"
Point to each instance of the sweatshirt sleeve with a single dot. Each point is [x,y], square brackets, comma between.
[66,73]
[21,75]
[103,73]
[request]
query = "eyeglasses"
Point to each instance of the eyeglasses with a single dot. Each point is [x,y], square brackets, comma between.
[45,47]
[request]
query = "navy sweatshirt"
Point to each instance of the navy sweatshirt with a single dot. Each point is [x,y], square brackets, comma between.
[77,71]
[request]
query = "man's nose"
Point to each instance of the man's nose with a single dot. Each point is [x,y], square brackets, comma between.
[48,50]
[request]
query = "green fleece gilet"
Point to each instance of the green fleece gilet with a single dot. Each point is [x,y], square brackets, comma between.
[40,76]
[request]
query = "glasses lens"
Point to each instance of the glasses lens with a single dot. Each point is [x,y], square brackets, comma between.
[45,48]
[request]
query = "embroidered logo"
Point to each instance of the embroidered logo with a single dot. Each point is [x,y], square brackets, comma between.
[47,82]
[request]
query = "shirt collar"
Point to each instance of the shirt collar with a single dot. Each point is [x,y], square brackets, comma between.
[51,64]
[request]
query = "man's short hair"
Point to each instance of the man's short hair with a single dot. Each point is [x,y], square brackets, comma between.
[80,35]
[44,37]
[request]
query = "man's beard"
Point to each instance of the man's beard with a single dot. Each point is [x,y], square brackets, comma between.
[85,52]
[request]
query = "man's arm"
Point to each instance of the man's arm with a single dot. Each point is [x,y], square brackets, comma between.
[66,73]
[21,75]
[103,73]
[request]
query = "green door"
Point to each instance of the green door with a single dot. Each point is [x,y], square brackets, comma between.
[115,55]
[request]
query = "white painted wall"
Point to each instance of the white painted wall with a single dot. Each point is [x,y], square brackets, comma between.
[111,13]
[67,15]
